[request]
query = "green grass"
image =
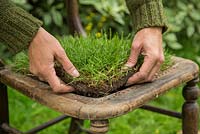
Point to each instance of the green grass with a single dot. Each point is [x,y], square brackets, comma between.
[25,114]
[98,59]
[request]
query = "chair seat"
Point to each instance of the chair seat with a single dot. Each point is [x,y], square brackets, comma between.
[106,107]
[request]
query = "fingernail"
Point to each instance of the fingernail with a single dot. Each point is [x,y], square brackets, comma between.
[71,89]
[127,84]
[128,65]
[75,73]
[125,68]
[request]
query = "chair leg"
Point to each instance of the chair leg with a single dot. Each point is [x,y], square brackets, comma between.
[75,126]
[190,108]
[99,127]
[4,114]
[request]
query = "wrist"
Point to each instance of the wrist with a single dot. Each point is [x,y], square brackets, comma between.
[35,38]
[157,29]
[150,31]
[41,37]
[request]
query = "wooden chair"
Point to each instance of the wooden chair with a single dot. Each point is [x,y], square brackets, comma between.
[100,110]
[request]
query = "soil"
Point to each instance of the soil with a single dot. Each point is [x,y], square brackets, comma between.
[85,89]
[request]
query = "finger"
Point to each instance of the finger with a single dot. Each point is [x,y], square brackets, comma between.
[40,78]
[144,71]
[156,68]
[66,63]
[135,52]
[56,84]
[32,69]
[150,78]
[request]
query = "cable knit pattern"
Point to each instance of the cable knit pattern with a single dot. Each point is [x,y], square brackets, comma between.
[17,27]
[147,13]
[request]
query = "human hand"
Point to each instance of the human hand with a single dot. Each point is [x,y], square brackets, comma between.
[147,42]
[43,49]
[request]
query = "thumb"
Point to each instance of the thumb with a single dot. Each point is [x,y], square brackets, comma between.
[66,63]
[135,51]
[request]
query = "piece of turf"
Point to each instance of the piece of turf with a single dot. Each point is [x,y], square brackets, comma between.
[98,59]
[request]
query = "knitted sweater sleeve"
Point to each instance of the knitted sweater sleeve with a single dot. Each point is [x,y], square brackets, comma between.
[146,13]
[17,27]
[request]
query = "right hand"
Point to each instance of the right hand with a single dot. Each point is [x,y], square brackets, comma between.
[42,51]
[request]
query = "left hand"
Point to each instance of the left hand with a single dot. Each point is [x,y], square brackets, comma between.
[147,42]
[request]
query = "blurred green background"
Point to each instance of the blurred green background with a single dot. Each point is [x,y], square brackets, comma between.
[182,39]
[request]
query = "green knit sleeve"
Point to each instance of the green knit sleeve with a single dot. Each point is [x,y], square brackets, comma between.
[17,27]
[147,13]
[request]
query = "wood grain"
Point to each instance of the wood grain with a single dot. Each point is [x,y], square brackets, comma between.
[110,106]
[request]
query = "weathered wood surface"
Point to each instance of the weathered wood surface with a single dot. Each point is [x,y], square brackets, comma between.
[106,107]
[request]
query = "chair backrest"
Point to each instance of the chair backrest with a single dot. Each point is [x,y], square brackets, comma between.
[74,21]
